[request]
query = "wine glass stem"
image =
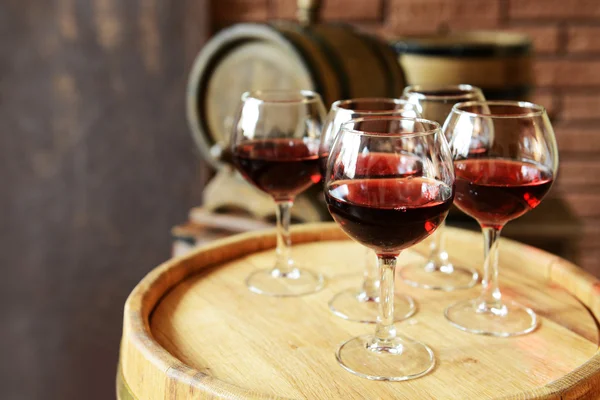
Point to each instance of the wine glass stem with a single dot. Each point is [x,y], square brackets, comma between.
[385,331]
[370,287]
[491,291]
[283,263]
[438,256]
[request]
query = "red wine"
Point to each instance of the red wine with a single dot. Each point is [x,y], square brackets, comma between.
[495,191]
[323,157]
[389,214]
[283,168]
[390,165]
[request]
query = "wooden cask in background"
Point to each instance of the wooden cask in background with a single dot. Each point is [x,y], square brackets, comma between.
[498,62]
[336,61]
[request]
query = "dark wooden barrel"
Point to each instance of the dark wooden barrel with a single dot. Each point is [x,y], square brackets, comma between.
[497,62]
[337,61]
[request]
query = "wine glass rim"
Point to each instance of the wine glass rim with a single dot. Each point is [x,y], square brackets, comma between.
[464,88]
[435,127]
[302,96]
[534,110]
[339,104]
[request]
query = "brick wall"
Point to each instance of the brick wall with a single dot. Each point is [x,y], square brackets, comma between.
[566,36]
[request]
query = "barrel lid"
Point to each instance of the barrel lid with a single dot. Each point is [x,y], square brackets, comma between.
[237,59]
[466,44]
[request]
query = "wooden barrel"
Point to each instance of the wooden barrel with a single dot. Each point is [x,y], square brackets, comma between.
[192,330]
[337,61]
[497,62]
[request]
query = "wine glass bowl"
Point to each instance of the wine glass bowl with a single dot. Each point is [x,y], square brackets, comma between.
[281,167]
[509,175]
[361,304]
[275,146]
[435,102]
[343,111]
[388,213]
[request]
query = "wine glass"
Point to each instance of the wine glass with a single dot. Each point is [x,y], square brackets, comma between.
[362,304]
[275,146]
[388,214]
[505,160]
[438,273]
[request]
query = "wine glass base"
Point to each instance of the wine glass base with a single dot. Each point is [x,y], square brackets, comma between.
[355,305]
[298,282]
[446,278]
[510,319]
[400,360]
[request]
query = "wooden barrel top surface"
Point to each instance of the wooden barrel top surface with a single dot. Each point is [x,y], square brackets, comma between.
[192,330]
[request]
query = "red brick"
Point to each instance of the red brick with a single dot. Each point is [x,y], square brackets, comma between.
[544,38]
[408,16]
[590,236]
[588,244]
[333,10]
[578,173]
[584,205]
[581,107]
[391,32]
[567,73]
[589,259]
[592,229]
[583,39]
[577,140]
[239,10]
[559,9]
[547,99]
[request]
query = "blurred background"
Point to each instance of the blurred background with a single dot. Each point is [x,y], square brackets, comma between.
[97,161]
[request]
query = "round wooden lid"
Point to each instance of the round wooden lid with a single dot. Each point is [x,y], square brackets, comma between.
[192,329]
[238,59]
